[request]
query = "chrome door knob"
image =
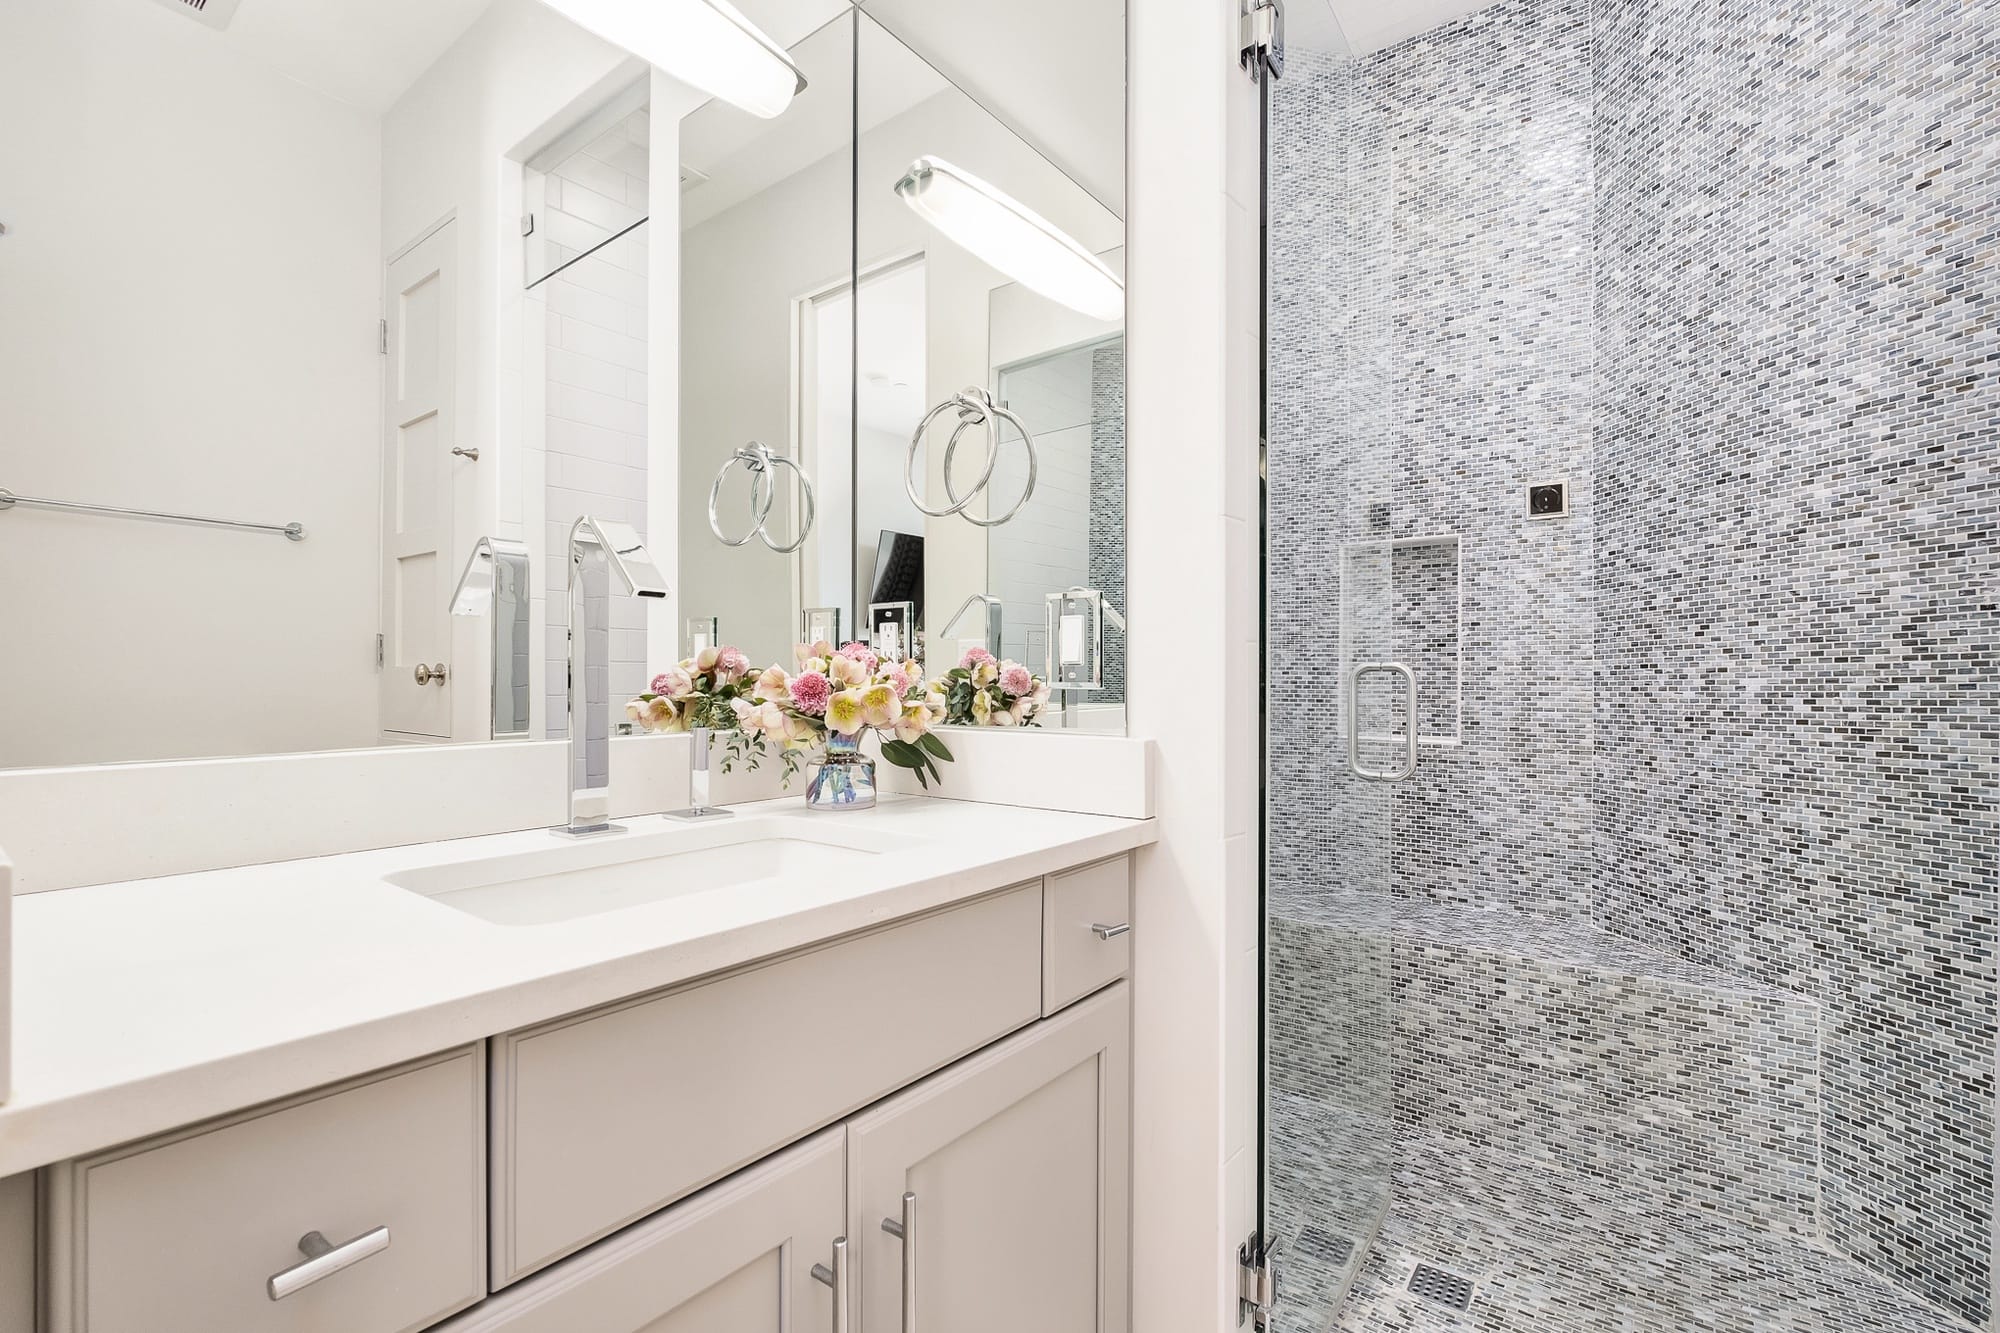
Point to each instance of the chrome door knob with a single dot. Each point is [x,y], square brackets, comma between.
[471,455]
[430,675]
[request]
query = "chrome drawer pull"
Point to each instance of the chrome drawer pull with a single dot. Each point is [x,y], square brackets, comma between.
[1112,932]
[906,1231]
[324,1259]
[836,1277]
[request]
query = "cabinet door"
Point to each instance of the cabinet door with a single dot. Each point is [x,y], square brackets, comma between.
[738,1257]
[1016,1164]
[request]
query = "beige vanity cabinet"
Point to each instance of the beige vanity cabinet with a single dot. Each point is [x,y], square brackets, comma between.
[604,1117]
[17,1254]
[1006,1176]
[722,1154]
[738,1257]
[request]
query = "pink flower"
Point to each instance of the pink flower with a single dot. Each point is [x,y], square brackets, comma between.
[862,653]
[706,659]
[1016,680]
[810,691]
[773,685]
[731,664]
[974,657]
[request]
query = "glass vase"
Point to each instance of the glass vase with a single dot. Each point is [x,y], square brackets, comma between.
[844,778]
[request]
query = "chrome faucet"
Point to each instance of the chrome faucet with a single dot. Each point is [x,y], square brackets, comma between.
[495,583]
[698,791]
[601,554]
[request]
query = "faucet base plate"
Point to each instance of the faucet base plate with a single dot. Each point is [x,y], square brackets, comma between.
[700,812]
[590,832]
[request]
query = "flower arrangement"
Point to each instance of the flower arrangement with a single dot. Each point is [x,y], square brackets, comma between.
[983,691]
[836,694]
[831,697]
[701,692]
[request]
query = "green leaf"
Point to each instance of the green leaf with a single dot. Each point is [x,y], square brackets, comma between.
[902,754]
[935,746]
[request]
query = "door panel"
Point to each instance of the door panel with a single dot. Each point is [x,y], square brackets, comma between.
[418,435]
[736,1258]
[1018,1159]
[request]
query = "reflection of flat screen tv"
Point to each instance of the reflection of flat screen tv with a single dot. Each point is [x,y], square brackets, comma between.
[899,570]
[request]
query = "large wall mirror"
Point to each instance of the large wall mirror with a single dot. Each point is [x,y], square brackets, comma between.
[990,445]
[395,292]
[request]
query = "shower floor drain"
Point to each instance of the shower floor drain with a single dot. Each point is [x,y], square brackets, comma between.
[1435,1284]
[1334,1251]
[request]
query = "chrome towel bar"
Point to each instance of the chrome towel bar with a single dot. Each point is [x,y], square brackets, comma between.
[289,531]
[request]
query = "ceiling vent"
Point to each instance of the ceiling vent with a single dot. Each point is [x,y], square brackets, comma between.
[212,13]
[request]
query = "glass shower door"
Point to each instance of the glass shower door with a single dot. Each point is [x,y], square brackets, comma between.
[1342,666]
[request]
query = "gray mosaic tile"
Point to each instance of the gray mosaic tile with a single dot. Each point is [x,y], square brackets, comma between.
[1705,904]
[1554,1253]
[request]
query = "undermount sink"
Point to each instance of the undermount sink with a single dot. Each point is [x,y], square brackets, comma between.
[565,882]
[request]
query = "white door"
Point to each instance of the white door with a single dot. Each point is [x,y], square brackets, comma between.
[1017,1164]
[420,430]
[736,1258]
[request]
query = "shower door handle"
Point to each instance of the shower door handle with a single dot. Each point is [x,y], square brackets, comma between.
[1354,764]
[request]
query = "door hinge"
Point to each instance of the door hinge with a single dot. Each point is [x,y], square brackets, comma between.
[1257,1280]
[379,652]
[1264,36]
[382,336]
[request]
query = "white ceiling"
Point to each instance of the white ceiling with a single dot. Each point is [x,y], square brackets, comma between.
[361,52]
[1052,71]
[1358,27]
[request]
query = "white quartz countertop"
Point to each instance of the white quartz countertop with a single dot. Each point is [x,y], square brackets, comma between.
[149,1004]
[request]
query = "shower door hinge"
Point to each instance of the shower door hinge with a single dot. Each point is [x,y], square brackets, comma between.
[1264,37]
[1257,1280]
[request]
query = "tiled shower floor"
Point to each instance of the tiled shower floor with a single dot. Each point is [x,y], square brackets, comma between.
[1558,1253]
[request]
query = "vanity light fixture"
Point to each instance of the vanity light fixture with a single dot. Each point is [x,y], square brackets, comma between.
[704,43]
[1012,238]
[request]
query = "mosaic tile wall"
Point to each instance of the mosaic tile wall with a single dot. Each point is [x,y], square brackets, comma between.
[1107,505]
[1723,821]
[1798,329]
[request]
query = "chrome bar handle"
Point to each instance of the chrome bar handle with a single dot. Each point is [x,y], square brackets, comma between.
[1111,932]
[1354,764]
[836,1277]
[906,1231]
[324,1259]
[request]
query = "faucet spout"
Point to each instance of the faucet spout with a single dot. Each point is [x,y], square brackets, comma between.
[601,553]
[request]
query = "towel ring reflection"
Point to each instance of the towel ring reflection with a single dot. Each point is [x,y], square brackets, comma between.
[763,466]
[975,407]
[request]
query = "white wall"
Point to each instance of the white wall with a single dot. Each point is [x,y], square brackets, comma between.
[1192,305]
[189,288]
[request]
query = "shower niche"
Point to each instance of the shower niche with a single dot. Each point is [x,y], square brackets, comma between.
[1401,650]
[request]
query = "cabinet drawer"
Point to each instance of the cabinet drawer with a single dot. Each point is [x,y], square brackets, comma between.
[1082,908]
[604,1117]
[187,1232]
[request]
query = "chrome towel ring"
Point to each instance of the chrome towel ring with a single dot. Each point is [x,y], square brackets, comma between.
[763,466]
[975,407]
